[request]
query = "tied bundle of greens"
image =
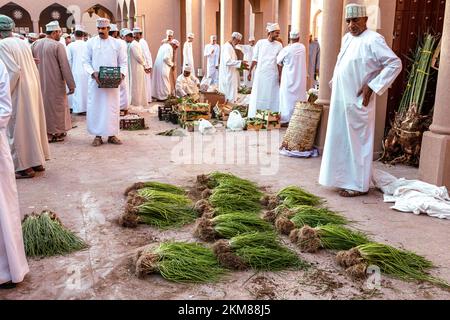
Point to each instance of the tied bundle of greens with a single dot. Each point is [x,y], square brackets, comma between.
[401,264]
[154,185]
[44,235]
[294,196]
[258,250]
[230,225]
[179,262]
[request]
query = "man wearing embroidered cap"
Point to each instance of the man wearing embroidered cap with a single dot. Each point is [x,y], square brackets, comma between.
[27,132]
[138,36]
[266,84]
[187,84]
[365,65]
[169,37]
[229,77]
[32,37]
[248,56]
[212,54]
[75,52]
[162,85]
[188,53]
[55,75]
[103,110]
[293,77]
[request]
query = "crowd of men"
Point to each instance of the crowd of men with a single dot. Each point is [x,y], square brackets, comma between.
[37,78]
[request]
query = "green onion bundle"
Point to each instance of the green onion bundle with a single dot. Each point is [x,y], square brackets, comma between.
[301,216]
[149,194]
[333,237]
[259,251]
[157,186]
[179,262]
[230,225]
[401,264]
[44,235]
[224,202]
[294,196]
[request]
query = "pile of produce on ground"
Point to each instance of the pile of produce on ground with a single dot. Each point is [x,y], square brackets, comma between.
[229,225]
[44,235]
[190,113]
[259,251]
[179,262]
[291,196]
[157,204]
[401,264]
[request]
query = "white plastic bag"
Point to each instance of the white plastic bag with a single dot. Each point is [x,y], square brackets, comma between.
[206,127]
[235,121]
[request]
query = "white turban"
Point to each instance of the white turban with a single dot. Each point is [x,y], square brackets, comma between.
[190,35]
[273,27]
[237,35]
[79,28]
[52,26]
[251,39]
[169,33]
[103,23]
[354,10]
[294,34]
[137,30]
[213,38]
[175,42]
[187,68]
[33,35]
[114,28]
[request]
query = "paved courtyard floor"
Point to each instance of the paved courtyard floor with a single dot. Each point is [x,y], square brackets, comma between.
[84,186]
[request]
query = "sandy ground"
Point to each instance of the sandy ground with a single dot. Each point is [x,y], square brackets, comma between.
[85,185]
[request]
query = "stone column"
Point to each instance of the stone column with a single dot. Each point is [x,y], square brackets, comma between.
[36,26]
[305,31]
[435,156]
[331,43]
[226,20]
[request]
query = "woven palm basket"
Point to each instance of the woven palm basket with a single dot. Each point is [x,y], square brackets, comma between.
[302,130]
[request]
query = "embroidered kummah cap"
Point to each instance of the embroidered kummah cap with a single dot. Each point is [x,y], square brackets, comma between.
[65,35]
[273,27]
[354,10]
[103,23]
[251,39]
[169,33]
[79,27]
[294,34]
[175,42]
[213,38]
[114,28]
[137,30]
[187,68]
[190,35]
[6,23]
[125,32]
[33,35]
[52,26]
[237,35]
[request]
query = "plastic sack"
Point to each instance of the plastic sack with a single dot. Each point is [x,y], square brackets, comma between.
[235,121]
[206,127]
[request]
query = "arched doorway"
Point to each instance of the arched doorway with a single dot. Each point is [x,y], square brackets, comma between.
[90,16]
[55,12]
[132,17]
[21,17]
[125,15]
[119,16]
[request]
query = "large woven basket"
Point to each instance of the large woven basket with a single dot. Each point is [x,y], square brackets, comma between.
[302,130]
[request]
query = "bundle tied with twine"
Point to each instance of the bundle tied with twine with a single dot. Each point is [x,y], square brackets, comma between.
[398,263]
[229,225]
[44,235]
[301,134]
[258,251]
[179,262]
[332,237]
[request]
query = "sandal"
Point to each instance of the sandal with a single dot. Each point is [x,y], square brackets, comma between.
[114,140]
[39,168]
[55,139]
[346,193]
[8,285]
[97,142]
[25,174]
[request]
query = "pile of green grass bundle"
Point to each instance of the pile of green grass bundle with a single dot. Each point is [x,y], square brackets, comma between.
[157,186]
[179,262]
[301,216]
[401,264]
[295,196]
[44,235]
[230,225]
[332,237]
[162,209]
[213,180]
[258,250]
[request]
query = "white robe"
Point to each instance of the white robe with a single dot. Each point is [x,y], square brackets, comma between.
[348,153]
[229,72]
[149,63]
[13,263]
[212,54]
[75,52]
[266,87]
[188,56]
[103,114]
[248,56]
[124,94]
[186,85]
[293,79]
[161,87]
[136,74]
